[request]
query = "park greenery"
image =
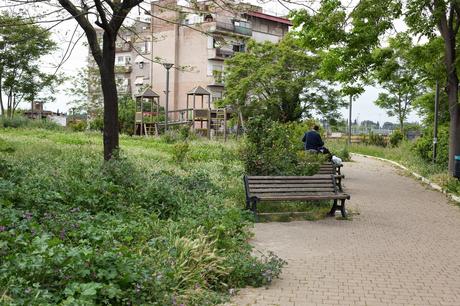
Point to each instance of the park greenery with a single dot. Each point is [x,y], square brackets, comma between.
[22,45]
[160,220]
[162,224]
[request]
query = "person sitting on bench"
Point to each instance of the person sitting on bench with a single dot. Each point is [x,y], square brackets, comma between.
[313,142]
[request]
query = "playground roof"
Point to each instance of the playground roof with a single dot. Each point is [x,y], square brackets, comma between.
[148,93]
[199,91]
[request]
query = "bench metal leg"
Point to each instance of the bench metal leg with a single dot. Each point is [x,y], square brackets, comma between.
[254,210]
[248,204]
[333,209]
[342,208]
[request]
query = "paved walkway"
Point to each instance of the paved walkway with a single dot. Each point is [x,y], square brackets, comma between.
[402,249]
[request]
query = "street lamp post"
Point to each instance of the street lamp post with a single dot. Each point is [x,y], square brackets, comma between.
[167,66]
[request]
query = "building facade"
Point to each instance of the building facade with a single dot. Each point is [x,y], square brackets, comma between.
[195,40]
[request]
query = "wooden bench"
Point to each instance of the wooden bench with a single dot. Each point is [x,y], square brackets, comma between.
[330,168]
[294,188]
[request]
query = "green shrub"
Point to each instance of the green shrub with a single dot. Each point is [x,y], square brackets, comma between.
[170,136]
[77,126]
[423,146]
[24,122]
[180,151]
[376,140]
[271,149]
[395,138]
[15,122]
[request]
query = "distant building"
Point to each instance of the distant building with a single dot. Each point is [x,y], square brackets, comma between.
[37,112]
[199,39]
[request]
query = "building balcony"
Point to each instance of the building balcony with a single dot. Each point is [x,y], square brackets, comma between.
[219,54]
[125,47]
[220,26]
[127,68]
[218,78]
[124,89]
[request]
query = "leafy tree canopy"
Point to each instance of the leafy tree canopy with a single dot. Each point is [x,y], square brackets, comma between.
[278,81]
[396,75]
[22,45]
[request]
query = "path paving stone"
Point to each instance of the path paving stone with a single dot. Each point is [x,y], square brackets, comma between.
[402,249]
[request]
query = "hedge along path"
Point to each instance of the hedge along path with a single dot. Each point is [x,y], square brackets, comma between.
[400,248]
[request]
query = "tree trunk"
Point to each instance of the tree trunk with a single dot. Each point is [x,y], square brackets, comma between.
[454,108]
[2,107]
[447,32]
[454,133]
[109,91]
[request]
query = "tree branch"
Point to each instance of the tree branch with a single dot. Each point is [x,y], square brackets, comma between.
[86,26]
[100,9]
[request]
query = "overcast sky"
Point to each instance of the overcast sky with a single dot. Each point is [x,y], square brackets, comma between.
[363,107]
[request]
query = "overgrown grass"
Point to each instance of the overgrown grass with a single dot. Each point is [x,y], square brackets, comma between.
[148,228]
[406,155]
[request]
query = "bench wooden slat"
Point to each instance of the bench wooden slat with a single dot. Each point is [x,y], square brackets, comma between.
[317,185]
[319,197]
[287,182]
[304,189]
[325,177]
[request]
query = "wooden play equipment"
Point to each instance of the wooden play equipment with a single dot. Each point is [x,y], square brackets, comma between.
[198,115]
[145,121]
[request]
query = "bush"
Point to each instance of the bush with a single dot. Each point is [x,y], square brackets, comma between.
[77,126]
[24,122]
[424,145]
[180,151]
[395,138]
[271,149]
[376,140]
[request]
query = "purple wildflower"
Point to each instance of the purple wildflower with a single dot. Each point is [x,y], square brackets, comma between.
[27,215]
[3,228]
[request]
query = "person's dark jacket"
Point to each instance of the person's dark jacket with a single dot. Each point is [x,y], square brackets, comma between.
[312,140]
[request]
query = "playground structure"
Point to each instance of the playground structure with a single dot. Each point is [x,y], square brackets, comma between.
[197,115]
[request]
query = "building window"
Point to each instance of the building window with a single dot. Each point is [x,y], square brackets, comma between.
[216,95]
[127,59]
[238,48]
[141,65]
[120,60]
[213,66]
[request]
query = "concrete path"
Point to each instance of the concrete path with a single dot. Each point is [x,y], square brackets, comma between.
[402,249]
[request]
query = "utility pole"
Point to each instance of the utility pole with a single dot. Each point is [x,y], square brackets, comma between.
[349,119]
[435,130]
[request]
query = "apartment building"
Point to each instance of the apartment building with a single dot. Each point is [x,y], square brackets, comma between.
[196,40]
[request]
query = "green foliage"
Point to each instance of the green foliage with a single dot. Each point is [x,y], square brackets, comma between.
[77,126]
[278,81]
[398,76]
[126,113]
[180,151]
[273,148]
[24,122]
[136,230]
[376,140]
[345,36]
[424,145]
[23,45]
[395,138]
